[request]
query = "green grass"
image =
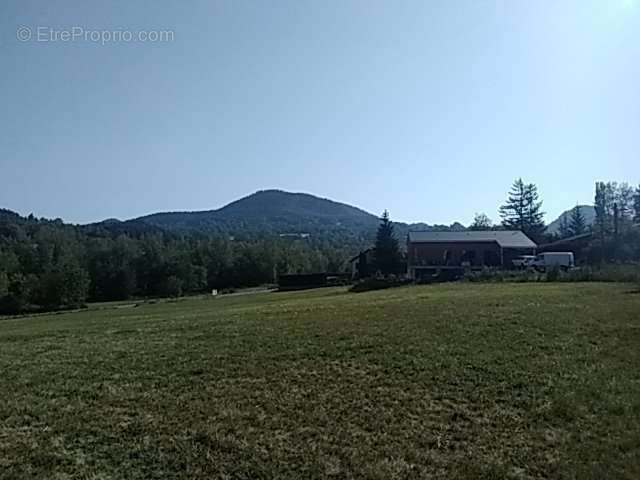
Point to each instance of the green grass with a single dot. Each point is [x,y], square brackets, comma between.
[443,381]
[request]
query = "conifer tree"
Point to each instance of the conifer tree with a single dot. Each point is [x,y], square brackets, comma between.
[513,212]
[601,205]
[387,253]
[535,226]
[565,229]
[523,210]
[577,224]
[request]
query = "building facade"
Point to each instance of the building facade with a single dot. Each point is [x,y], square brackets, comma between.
[429,252]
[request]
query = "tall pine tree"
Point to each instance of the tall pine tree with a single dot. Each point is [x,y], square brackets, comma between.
[565,229]
[601,204]
[523,210]
[577,224]
[535,216]
[513,212]
[387,253]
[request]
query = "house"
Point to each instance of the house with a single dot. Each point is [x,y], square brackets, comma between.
[430,252]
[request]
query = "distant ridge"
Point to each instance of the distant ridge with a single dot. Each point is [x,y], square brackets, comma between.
[281,212]
[272,210]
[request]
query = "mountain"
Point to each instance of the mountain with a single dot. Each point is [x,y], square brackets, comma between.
[277,211]
[281,212]
[273,211]
[588,211]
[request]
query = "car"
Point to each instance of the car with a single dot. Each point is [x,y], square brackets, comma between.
[524,261]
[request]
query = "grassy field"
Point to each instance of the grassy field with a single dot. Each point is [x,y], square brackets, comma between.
[443,381]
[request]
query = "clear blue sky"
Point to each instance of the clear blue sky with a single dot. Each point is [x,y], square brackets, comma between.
[429,109]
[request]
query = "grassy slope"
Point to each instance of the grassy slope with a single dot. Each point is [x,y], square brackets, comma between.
[466,381]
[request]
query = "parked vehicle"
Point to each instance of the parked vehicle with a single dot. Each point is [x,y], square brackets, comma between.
[524,261]
[563,260]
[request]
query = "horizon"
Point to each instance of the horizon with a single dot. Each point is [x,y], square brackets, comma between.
[496,221]
[427,110]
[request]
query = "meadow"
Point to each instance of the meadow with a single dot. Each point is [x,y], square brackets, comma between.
[438,381]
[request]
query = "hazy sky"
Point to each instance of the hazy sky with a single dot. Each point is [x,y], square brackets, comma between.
[429,109]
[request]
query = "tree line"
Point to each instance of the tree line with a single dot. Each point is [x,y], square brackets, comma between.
[615,204]
[46,264]
[613,236]
[616,230]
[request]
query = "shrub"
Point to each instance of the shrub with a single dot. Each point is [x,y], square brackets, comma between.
[629,273]
[375,284]
[492,275]
[553,274]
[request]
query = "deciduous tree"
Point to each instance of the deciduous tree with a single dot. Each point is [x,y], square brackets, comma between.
[481,221]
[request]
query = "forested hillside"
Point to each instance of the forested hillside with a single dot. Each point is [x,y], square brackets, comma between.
[46,264]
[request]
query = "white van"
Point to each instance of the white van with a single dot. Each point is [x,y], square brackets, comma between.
[546,260]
